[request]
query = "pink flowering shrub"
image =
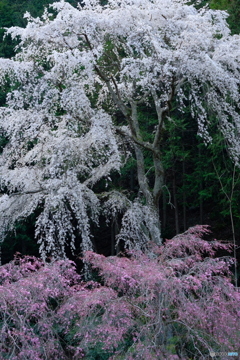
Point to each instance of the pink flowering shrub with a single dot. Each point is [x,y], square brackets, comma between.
[173,302]
[30,293]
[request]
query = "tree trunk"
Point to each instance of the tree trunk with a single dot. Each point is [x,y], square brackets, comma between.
[151,202]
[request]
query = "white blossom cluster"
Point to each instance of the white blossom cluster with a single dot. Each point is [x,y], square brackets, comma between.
[138,223]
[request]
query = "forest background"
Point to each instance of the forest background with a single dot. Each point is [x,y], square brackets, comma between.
[202,185]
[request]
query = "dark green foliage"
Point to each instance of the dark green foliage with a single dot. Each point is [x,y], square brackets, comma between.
[20,240]
[3,142]
[234,18]
[11,14]
[220,4]
[233,8]
[206,181]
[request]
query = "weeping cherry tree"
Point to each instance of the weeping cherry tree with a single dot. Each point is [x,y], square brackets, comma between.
[75,69]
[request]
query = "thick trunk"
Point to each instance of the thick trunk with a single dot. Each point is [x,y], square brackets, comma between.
[151,201]
[142,179]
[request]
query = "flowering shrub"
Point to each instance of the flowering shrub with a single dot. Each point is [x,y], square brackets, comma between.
[173,302]
[30,293]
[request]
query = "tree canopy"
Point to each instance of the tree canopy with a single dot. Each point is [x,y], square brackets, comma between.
[72,113]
